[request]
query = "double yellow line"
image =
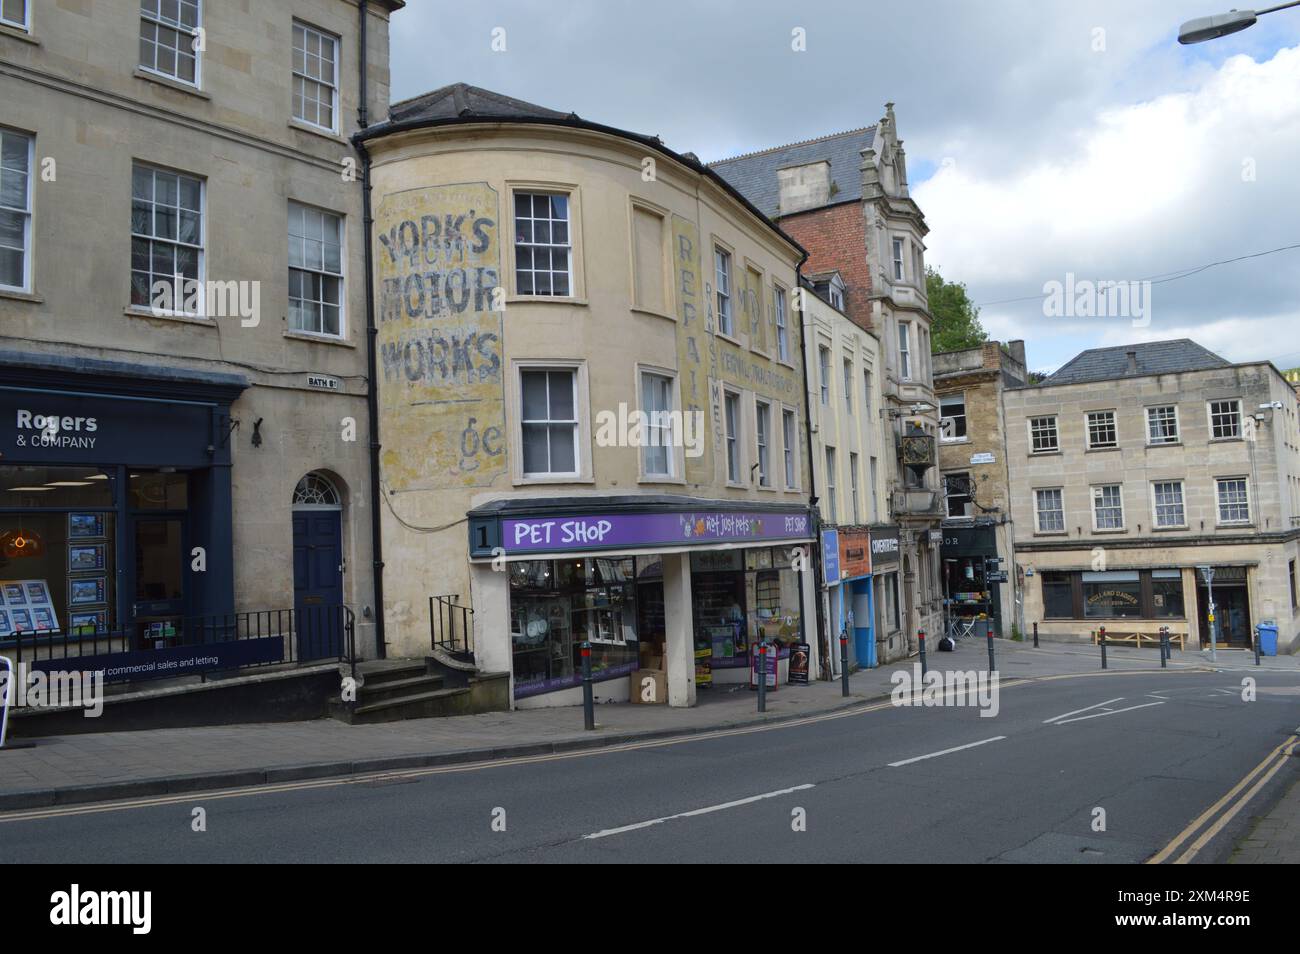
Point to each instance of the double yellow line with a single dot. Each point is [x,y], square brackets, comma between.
[1238,797]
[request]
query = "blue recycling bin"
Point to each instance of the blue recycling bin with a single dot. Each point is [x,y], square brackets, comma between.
[1267,639]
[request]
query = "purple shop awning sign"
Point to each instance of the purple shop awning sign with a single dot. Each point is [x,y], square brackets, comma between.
[621,531]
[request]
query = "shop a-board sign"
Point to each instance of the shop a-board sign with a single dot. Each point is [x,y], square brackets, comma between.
[704,665]
[799,656]
[26,607]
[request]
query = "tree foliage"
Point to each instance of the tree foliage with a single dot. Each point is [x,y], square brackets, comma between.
[956,318]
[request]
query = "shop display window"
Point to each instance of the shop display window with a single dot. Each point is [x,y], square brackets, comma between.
[556,605]
[58,540]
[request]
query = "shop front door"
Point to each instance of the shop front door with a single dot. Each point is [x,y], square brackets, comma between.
[318,583]
[160,605]
[1232,614]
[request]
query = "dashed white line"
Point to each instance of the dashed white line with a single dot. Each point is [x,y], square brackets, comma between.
[935,755]
[697,811]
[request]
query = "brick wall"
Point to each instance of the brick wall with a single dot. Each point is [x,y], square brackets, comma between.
[835,238]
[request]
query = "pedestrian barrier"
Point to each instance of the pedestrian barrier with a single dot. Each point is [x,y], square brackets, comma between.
[1139,638]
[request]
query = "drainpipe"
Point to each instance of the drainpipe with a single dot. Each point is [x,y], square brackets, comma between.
[372,395]
[814,512]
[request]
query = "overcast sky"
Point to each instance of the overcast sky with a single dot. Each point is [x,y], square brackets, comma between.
[1044,137]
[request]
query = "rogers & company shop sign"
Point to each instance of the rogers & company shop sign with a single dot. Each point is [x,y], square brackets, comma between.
[54,427]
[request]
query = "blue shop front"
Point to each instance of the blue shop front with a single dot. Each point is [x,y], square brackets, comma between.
[846,568]
[115,501]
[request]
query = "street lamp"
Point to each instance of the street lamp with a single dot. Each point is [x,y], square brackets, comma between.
[1222,24]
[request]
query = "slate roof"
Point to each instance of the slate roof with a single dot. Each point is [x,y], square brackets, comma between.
[1153,357]
[754,174]
[462,103]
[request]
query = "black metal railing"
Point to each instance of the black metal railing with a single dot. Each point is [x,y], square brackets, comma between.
[451,625]
[312,634]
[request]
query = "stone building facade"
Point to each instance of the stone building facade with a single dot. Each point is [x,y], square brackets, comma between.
[211,449]
[973,466]
[1133,466]
[846,198]
[545,286]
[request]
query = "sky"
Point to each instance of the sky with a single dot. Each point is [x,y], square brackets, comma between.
[1048,141]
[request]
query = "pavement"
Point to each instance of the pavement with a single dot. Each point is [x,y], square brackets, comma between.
[100,766]
[1082,767]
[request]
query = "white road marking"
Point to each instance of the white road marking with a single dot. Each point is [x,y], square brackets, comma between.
[934,755]
[1077,711]
[697,811]
[1095,715]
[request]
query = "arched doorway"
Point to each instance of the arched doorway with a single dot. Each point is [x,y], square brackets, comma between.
[318,567]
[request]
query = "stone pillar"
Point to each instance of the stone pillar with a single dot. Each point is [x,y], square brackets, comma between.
[679,643]
[493,651]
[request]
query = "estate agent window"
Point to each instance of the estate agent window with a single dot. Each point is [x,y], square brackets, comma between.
[543,246]
[167,34]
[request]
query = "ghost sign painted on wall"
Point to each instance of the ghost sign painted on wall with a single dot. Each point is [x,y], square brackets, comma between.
[442,403]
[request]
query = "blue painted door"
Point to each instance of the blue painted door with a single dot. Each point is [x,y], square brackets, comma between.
[318,583]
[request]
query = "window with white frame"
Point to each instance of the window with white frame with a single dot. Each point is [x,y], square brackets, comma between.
[722,271]
[898,259]
[905,351]
[853,487]
[1225,419]
[1107,507]
[315,77]
[166,236]
[543,244]
[782,331]
[1167,503]
[790,447]
[836,295]
[1162,424]
[763,440]
[168,30]
[731,418]
[1049,510]
[315,271]
[824,364]
[866,394]
[848,385]
[1043,435]
[830,485]
[15,210]
[952,414]
[14,13]
[1234,500]
[548,416]
[957,494]
[1102,432]
[657,403]
[873,475]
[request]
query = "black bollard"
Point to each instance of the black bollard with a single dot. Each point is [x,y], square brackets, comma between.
[1256,645]
[1035,635]
[762,677]
[1164,647]
[989,631]
[921,638]
[844,663]
[588,703]
[1101,634]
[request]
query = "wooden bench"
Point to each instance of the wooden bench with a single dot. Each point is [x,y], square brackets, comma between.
[1136,638]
